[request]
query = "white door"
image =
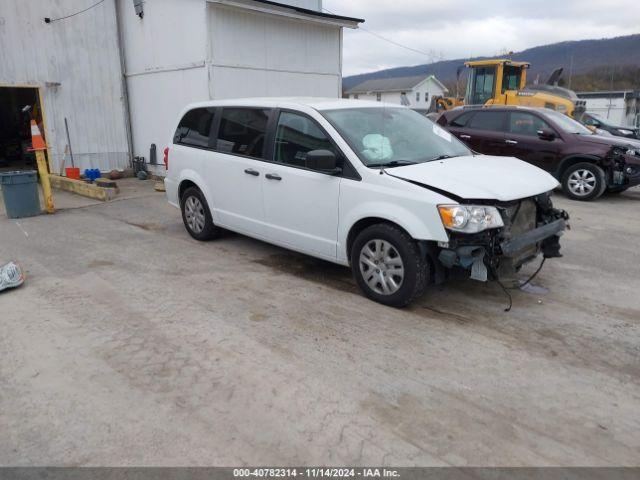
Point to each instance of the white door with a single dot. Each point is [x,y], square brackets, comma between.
[301,205]
[236,171]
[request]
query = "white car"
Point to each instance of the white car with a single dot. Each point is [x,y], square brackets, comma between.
[374,186]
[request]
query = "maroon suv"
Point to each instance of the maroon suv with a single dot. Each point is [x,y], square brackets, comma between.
[585,164]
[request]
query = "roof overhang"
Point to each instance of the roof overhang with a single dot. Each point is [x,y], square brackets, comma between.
[355,90]
[289,11]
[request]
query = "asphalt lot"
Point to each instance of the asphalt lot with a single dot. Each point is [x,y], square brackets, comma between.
[132,344]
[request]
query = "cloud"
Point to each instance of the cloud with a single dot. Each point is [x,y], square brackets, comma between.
[464,28]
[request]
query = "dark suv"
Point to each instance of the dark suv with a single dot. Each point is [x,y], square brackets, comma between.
[585,164]
[601,124]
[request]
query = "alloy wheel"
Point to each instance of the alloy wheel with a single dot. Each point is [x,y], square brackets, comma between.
[381,267]
[194,213]
[582,182]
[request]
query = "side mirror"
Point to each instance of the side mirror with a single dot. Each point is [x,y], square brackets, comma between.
[323,161]
[546,134]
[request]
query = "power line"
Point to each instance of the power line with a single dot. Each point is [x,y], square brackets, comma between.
[51,20]
[393,42]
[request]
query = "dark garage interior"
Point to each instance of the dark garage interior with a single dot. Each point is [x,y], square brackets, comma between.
[15,132]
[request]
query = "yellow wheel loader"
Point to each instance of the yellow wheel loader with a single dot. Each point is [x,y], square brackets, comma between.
[503,82]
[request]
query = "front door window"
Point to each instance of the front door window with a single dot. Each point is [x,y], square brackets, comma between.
[296,136]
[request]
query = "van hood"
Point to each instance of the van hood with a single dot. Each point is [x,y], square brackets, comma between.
[480,177]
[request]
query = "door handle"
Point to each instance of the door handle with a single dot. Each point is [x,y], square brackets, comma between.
[511,142]
[251,171]
[466,137]
[273,176]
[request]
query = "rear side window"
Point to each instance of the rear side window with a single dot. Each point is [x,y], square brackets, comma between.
[488,121]
[461,120]
[522,123]
[195,128]
[296,136]
[242,131]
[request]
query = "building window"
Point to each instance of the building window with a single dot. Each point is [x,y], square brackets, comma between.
[426,97]
[378,97]
[355,96]
[417,96]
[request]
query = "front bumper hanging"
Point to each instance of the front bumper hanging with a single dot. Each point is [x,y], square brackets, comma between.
[501,252]
[532,237]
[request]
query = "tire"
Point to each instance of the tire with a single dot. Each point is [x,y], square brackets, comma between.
[197,216]
[393,249]
[584,181]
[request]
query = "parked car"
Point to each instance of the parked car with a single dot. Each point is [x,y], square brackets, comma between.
[375,186]
[585,164]
[604,125]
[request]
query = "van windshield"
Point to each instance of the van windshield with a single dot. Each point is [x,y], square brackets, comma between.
[389,137]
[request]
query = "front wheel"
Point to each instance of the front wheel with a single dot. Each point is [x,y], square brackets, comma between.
[584,181]
[388,266]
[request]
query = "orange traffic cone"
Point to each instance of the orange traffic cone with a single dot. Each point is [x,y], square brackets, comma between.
[37,142]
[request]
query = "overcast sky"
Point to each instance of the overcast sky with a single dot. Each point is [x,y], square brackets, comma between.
[450,29]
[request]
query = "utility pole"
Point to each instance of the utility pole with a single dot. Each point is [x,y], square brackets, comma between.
[570,71]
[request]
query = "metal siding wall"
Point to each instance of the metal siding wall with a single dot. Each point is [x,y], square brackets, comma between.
[156,100]
[165,54]
[254,54]
[611,109]
[80,53]
[309,4]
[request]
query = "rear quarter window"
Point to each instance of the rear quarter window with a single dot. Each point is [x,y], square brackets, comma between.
[194,129]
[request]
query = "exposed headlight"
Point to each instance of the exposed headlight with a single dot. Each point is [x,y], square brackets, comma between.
[624,131]
[562,108]
[469,218]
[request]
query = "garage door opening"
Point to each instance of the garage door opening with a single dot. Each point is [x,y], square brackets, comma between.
[15,131]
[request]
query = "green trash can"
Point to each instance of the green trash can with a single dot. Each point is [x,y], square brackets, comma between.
[20,193]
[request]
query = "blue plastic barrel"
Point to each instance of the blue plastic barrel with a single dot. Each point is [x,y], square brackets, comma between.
[20,193]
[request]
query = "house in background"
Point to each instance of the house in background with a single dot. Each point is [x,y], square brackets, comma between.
[120,71]
[415,92]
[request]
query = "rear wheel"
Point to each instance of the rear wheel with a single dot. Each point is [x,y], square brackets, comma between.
[197,216]
[584,181]
[388,266]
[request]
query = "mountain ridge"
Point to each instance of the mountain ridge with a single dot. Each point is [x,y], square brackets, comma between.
[580,56]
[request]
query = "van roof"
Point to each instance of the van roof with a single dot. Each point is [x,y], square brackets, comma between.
[316,103]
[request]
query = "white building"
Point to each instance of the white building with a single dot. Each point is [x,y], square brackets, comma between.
[620,107]
[415,92]
[121,71]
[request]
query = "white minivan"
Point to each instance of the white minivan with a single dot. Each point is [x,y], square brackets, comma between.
[374,186]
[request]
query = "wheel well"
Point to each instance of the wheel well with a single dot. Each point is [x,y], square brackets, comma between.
[183,187]
[361,224]
[564,166]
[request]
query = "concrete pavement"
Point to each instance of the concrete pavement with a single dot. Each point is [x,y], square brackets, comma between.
[132,344]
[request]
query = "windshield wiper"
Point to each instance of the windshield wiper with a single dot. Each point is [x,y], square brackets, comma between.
[394,163]
[441,157]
